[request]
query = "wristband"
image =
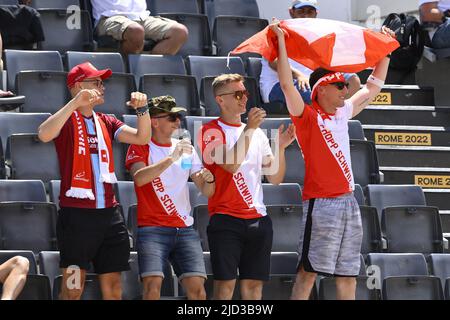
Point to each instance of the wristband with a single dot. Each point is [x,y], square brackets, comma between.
[141,111]
[375,81]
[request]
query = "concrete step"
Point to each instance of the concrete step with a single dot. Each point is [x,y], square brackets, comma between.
[405,95]
[438,197]
[413,156]
[427,178]
[407,135]
[412,115]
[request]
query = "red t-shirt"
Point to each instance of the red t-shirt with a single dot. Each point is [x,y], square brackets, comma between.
[64,143]
[326,149]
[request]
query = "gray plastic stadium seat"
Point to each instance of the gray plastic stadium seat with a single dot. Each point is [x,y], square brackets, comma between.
[59,37]
[54,187]
[199,39]
[284,207]
[201,221]
[43,165]
[26,60]
[254,67]
[208,100]
[9,2]
[371,230]
[91,290]
[22,190]
[327,289]
[412,229]
[53,4]
[49,265]
[118,89]
[200,66]
[355,130]
[246,8]
[101,60]
[28,226]
[382,196]
[157,7]
[231,31]
[364,162]
[140,64]
[283,270]
[5,255]
[126,196]
[412,288]
[119,152]
[2,162]
[447,289]
[131,283]
[182,87]
[359,195]
[397,264]
[295,165]
[440,266]
[195,196]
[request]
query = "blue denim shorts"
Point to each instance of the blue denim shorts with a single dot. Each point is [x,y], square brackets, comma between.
[180,246]
[276,94]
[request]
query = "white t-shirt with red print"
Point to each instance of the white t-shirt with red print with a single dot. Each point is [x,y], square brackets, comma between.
[325,144]
[165,201]
[240,194]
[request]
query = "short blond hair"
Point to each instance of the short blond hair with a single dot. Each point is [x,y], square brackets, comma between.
[224,79]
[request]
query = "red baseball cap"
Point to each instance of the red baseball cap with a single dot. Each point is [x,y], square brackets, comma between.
[85,71]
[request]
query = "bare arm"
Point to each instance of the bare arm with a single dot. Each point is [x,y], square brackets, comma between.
[278,163]
[204,181]
[367,93]
[145,174]
[231,160]
[143,133]
[51,127]
[294,100]
[429,12]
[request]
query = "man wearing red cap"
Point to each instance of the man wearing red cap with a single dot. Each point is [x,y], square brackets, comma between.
[90,227]
[331,230]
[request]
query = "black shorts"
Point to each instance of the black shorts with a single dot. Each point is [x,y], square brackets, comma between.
[93,235]
[240,244]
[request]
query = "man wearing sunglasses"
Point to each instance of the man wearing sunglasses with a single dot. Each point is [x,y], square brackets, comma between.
[331,231]
[90,227]
[166,230]
[269,82]
[238,154]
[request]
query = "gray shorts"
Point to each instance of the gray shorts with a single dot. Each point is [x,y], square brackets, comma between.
[330,236]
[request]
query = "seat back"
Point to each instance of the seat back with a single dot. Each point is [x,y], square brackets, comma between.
[412,288]
[183,88]
[54,189]
[157,7]
[440,266]
[28,226]
[53,4]
[371,230]
[199,40]
[65,31]
[126,196]
[131,282]
[200,66]
[395,264]
[231,31]
[37,287]
[382,196]
[355,130]
[91,290]
[43,165]
[23,60]
[364,162]
[283,270]
[245,8]
[44,91]
[359,195]
[327,289]
[101,60]
[118,89]
[22,190]
[201,221]
[254,67]
[412,229]
[140,64]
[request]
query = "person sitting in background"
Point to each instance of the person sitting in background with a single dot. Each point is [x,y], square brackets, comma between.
[13,275]
[2,92]
[436,13]
[130,22]
[269,82]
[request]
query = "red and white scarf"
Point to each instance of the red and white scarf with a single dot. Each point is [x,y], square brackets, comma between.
[80,186]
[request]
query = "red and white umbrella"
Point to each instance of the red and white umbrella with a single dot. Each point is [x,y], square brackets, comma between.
[330,44]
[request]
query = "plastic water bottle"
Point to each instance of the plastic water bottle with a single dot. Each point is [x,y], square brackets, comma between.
[186,159]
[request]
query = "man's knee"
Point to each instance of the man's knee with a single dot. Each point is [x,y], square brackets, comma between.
[134,33]
[306,277]
[22,264]
[223,290]
[196,293]
[178,33]
[152,287]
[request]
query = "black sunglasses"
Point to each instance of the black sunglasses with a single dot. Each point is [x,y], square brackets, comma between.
[172,117]
[341,85]
[98,82]
[238,95]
